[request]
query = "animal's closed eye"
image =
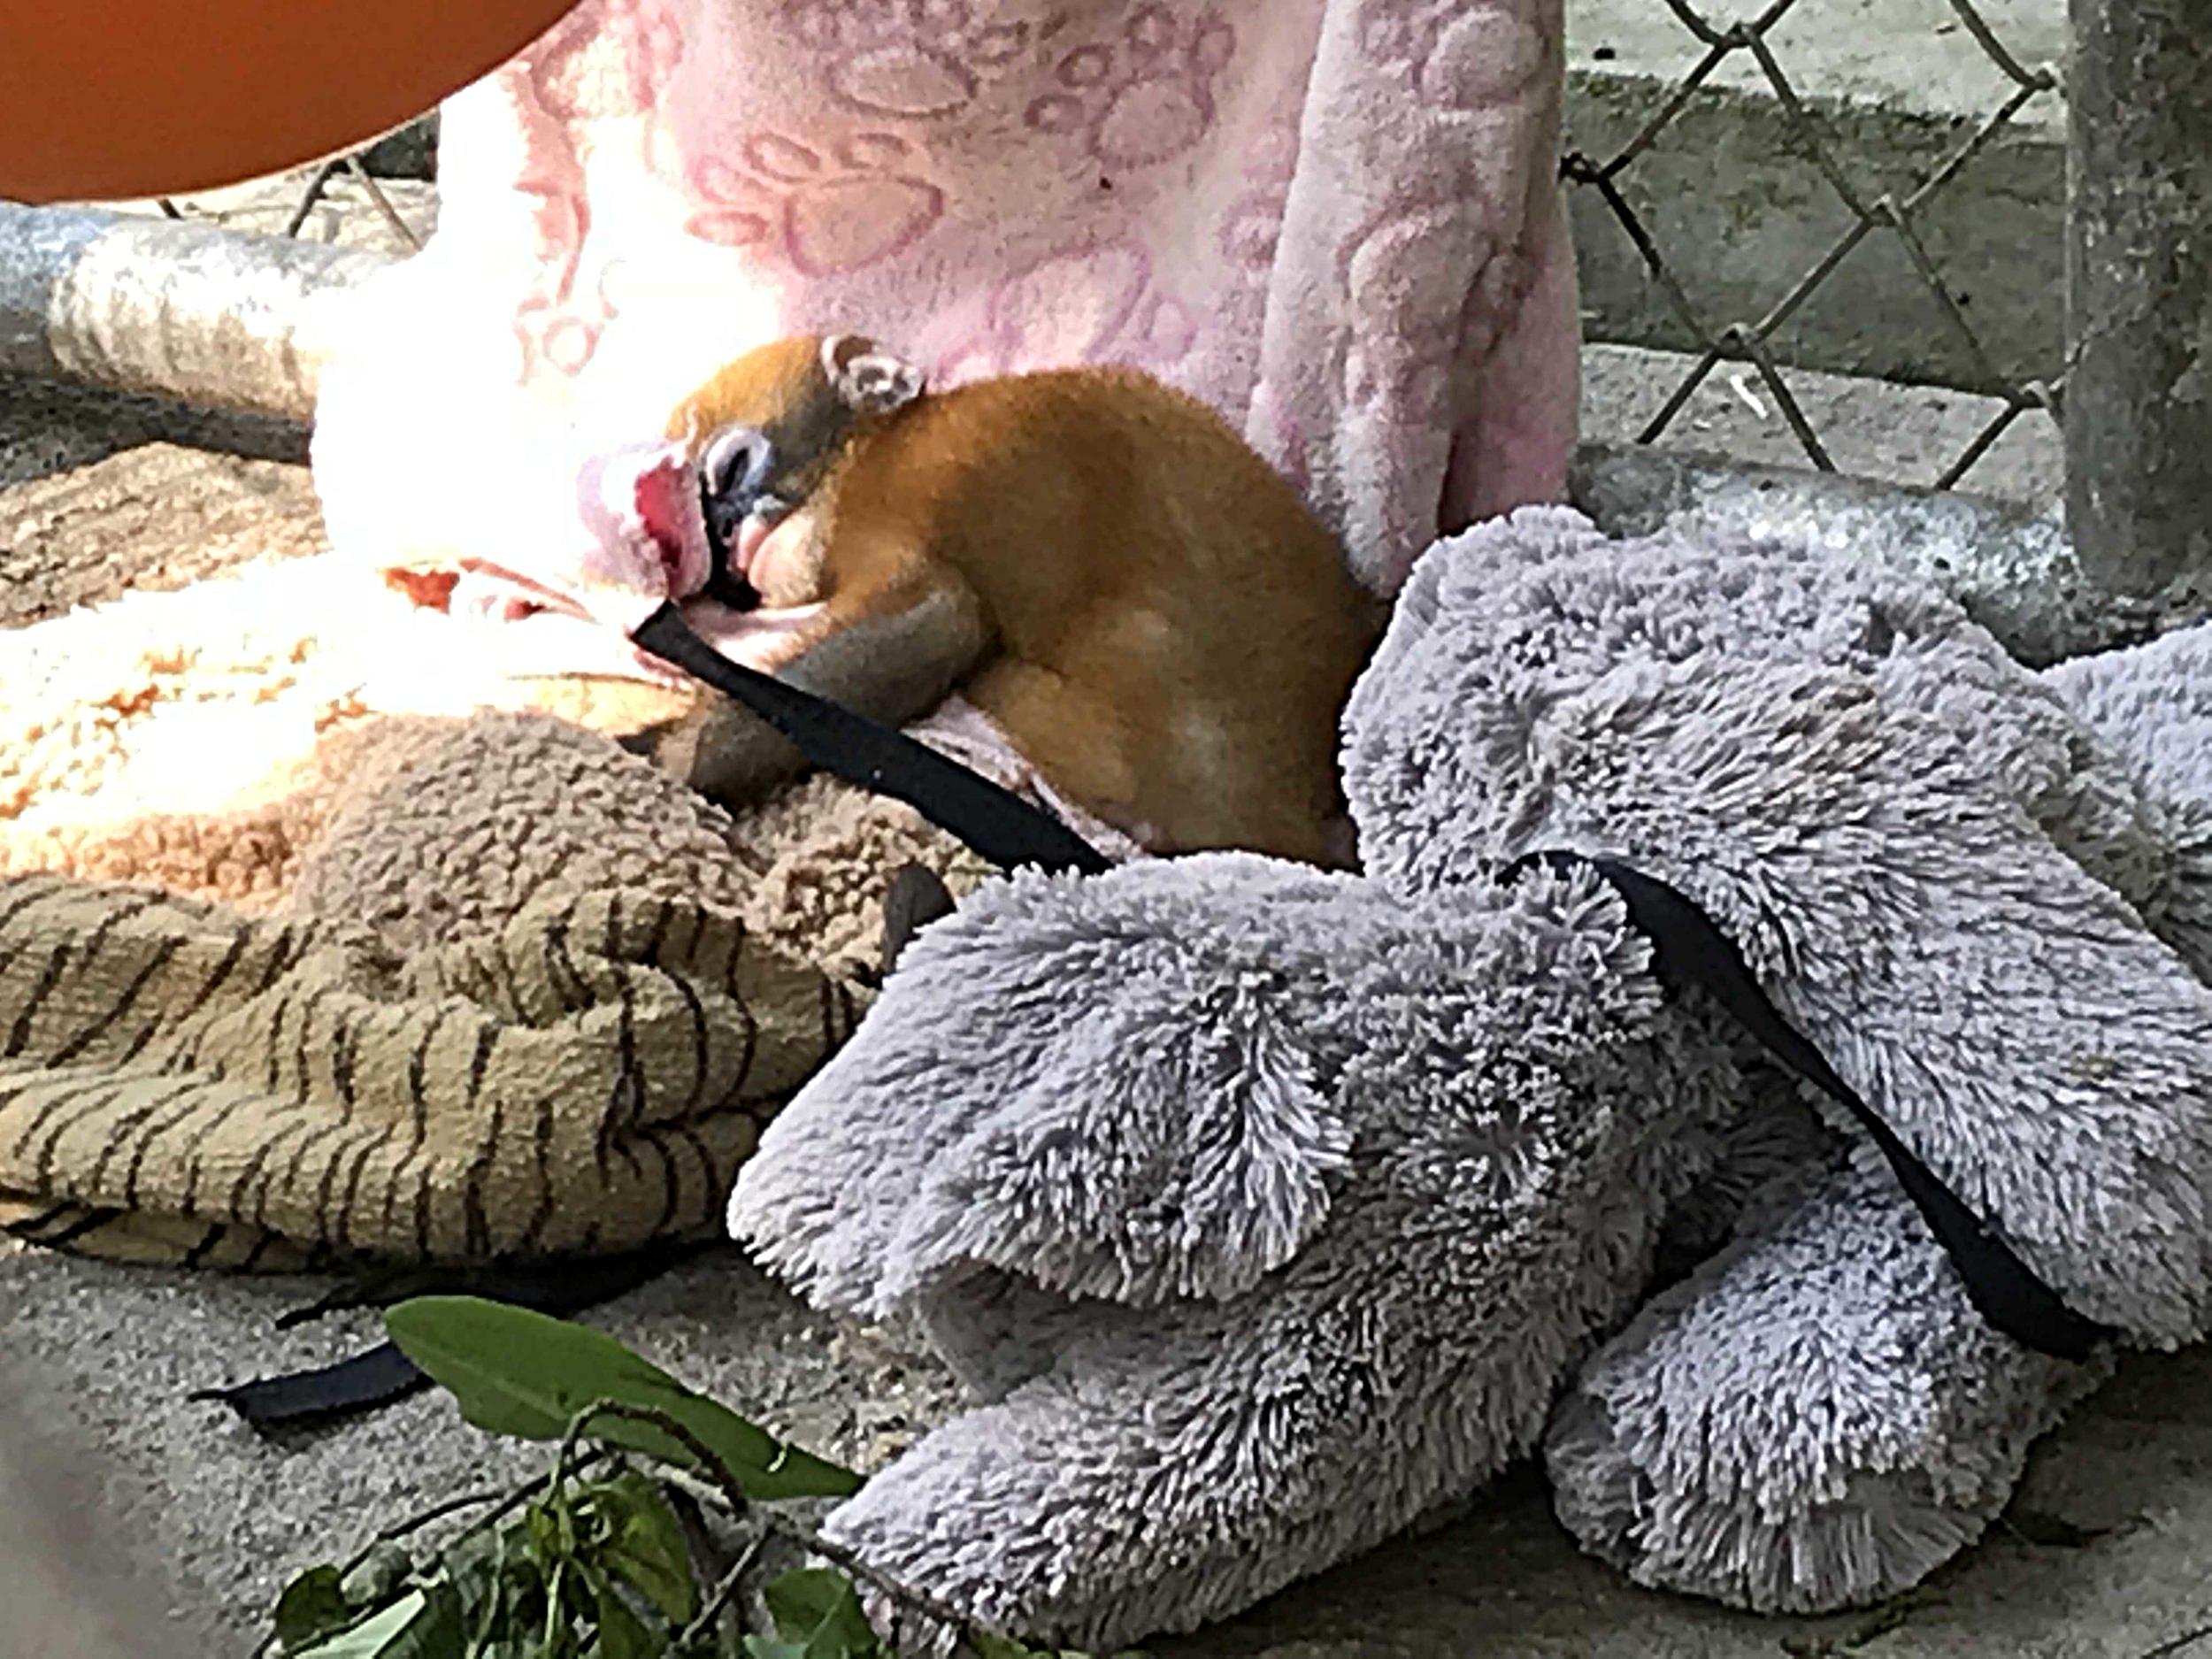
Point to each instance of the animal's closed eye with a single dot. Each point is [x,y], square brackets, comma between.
[737,462]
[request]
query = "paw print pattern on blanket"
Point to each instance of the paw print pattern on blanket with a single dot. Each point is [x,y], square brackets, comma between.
[864,202]
[1090,302]
[561,332]
[1460,57]
[610,56]
[1417,259]
[1252,229]
[1146,99]
[920,59]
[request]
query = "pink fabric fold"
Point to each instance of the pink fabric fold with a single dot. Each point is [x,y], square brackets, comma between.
[1337,221]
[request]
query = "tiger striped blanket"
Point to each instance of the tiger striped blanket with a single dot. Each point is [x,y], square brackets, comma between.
[295,977]
[184,1083]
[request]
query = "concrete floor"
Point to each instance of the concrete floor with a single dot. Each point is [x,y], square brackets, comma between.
[1899,434]
[2107,1554]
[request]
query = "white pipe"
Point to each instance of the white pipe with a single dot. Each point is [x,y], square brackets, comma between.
[178,308]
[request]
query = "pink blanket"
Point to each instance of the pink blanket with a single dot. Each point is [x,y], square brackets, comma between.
[1337,220]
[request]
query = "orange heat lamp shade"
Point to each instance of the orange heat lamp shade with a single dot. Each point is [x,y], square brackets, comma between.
[111,100]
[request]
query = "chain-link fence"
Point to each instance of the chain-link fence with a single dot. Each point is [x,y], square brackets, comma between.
[382,197]
[1816,137]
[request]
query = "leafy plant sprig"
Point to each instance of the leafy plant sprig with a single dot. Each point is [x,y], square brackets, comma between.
[593,1560]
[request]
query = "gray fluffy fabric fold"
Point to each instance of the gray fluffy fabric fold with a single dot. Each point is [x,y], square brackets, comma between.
[1265,1211]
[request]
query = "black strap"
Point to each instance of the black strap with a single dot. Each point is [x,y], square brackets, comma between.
[1688,947]
[373,1378]
[997,824]
[378,1376]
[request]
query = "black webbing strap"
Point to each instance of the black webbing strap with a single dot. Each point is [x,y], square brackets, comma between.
[379,1375]
[1688,947]
[362,1382]
[996,824]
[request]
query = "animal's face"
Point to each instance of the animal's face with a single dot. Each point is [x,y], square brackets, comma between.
[767,430]
[694,513]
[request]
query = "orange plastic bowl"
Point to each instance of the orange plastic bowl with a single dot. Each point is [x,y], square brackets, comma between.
[106,100]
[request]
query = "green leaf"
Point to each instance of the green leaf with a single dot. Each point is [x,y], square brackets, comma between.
[818,1610]
[646,1547]
[312,1606]
[990,1646]
[552,1529]
[385,1635]
[424,1623]
[573,1582]
[438,1633]
[622,1634]
[382,1573]
[526,1374]
[487,1570]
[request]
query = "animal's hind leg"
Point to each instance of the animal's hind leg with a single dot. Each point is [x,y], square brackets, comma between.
[1129,767]
[1084,748]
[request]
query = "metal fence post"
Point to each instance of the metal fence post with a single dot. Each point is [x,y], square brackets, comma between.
[2138,274]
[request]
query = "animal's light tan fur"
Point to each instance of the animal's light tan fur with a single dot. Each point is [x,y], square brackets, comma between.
[1168,634]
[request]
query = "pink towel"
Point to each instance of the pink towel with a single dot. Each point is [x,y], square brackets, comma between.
[1337,221]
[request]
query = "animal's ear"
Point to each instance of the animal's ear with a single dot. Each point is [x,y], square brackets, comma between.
[869,378]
